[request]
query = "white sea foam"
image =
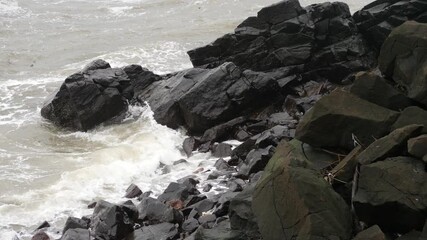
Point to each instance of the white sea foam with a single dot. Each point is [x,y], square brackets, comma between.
[10,8]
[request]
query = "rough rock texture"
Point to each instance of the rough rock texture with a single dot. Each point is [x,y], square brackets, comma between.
[340,118]
[292,201]
[75,223]
[411,115]
[112,222]
[403,57]
[221,231]
[162,231]
[241,215]
[390,145]
[393,194]
[379,18]
[321,38]
[154,211]
[76,234]
[202,98]
[89,98]
[372,233]
[418,146]
[375,89]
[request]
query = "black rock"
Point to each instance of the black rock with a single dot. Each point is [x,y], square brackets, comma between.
[377,19]
[221,231]
[200,207]
[207,220]
[222,165]
[154,211]
[179,191]
[207,188]
[255,161]
[76,234]
[111,221]
[223,203]
[45,224]
[133,191]
[241,216]
[75,223]
[140,77]
[162,231]
[190,225]
[88,99]
[189,145]
[96,64]
[221,150]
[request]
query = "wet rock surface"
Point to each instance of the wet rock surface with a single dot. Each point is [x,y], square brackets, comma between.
[327,151]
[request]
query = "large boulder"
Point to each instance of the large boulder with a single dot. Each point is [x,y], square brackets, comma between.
[89,98]
[321,38]
[403,57]
[202,98]
[418,146]
[341,118]
[377,19]
[293,201]
[375,89]
[111,222]
[393,194]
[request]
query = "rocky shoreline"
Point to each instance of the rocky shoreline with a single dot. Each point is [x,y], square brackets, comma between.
[331,110]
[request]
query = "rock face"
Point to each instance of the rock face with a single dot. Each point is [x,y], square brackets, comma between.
[403,57]
[341,118]
[379,18]
[390,145]
[89,98]
[318,38]
[292,201]
[418,146]
[202,98]
[393,194]
[375,89]
[112,222]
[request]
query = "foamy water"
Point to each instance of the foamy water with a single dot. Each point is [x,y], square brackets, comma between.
[50,174]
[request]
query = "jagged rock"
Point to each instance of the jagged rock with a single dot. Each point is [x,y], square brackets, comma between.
[272,137]
[179,191]
[111,221]
[256,160]
[223,203]
[372,233]
[241,215]
[392,194]
[403,57]
[45,224]
[235,185]
[390,145]
[162,231]
[200,207]
[338,119]
[76,234]
[154,211]
[411,115]
[222,231]
[207,220]
[221,131]
[140,78]
[320,40]
[418,146]
[88,99]
[240,152]
[202,98]
[75,223]
[344,170]
[189,145]
[373,88]
[221,150]
[190,225]
[207,188]
[133,191]
[292,200]
[222,165]
[40,236]
[377,19]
